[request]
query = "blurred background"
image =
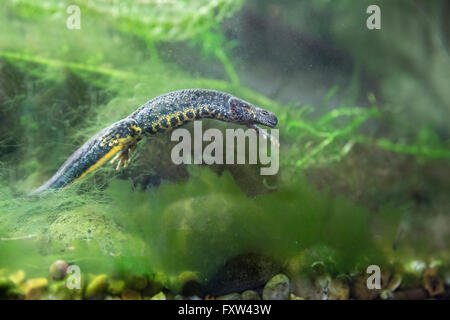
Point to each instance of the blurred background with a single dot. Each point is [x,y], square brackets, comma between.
[363,114]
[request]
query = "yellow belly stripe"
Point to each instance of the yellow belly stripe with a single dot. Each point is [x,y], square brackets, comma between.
[101,161]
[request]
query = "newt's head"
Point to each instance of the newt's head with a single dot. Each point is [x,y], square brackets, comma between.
[245,113]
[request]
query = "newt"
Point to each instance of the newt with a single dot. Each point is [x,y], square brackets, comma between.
[117,142]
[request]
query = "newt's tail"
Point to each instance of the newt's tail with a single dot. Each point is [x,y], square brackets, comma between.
[118,139]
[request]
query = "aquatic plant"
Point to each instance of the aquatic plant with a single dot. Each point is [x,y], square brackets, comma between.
[196,21]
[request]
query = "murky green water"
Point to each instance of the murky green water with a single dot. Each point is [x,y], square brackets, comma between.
[362,116]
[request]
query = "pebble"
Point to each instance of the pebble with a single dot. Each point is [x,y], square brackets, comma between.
[411,294]
[115,287]
[338,289]
[6,284]
[58,270]
[183,278]
[322,283]
[59,291]
[394,284]
[153,288]
[231,296]
[96,287]
[8,290]
[18,277]
[294,297]
[159,296]
[250,295]
[360,290]
[303,286]
[278,288]
[138,282]
[33,288]
[240,273]
[188,284]
[15,294]
[432,283]
[130,294]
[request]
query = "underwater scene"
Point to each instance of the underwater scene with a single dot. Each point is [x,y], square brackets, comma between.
[224,150]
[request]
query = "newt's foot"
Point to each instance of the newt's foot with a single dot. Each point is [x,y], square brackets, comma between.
[124,136]
[124,155]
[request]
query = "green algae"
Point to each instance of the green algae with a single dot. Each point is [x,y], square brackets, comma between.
[197,224]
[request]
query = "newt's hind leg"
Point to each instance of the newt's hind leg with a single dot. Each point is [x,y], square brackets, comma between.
[125,154]
[124,137]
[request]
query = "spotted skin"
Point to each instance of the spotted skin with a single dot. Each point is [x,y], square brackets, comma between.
[117,142]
